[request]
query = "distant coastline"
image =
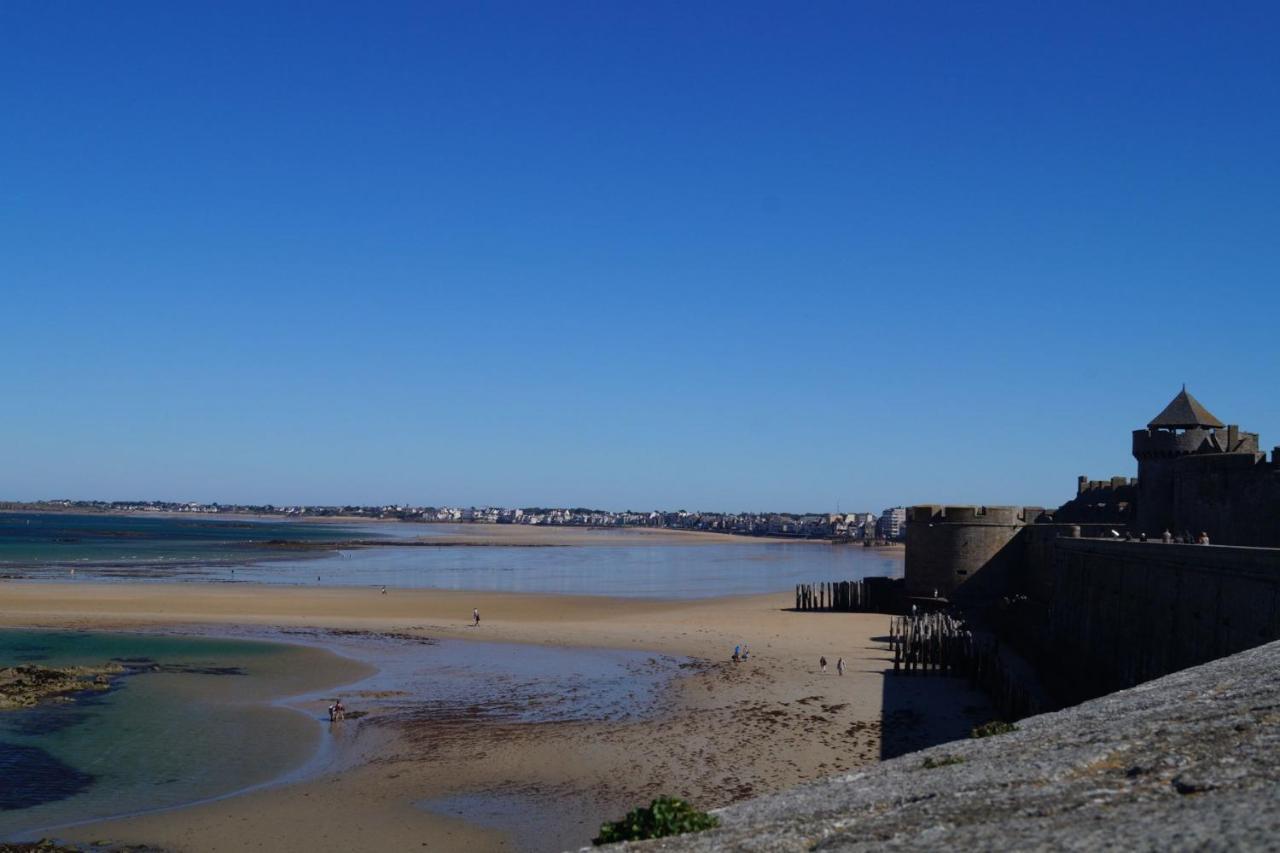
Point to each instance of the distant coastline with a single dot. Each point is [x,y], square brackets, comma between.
[782,527]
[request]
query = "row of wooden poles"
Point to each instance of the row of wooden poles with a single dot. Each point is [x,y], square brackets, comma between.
[939,643]
[869,594]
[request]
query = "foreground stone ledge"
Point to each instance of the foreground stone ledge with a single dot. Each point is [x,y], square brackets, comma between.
[1190,761]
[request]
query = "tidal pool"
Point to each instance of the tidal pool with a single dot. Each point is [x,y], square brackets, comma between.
[197,717]
[202,716]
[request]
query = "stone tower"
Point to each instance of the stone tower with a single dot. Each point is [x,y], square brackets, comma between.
[1183,428]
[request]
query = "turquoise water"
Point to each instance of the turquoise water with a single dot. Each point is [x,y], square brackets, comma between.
[161,549]
[198,728]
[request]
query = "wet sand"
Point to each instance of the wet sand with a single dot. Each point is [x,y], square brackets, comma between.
[730,730]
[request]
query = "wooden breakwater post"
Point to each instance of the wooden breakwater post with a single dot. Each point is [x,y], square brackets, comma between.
[883,595]
[939,643]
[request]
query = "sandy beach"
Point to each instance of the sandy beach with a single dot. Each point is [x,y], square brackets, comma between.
[732,729]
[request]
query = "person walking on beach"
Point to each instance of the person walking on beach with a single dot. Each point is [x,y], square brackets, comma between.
[822,663]
[840,665]
[475,614]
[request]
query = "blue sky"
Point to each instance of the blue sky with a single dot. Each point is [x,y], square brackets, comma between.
[717,255]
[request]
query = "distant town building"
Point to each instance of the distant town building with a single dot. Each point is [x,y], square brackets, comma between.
[890,523]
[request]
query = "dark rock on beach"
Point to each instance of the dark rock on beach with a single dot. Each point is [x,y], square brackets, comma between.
[29,684]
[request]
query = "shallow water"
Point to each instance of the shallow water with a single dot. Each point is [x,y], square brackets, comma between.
[206,725]
[509,682]
[199,728]
[535,822]
[654,571]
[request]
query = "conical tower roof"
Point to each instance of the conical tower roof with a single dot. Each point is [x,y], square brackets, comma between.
[1185,412]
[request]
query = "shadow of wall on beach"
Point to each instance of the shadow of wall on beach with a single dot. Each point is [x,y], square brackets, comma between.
[919,711]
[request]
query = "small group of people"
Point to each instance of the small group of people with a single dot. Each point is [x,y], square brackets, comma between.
[822,664]
[337,711]
[1184,538]
[741,652]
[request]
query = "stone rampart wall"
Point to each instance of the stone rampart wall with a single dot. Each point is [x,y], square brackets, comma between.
[1234,497]
[1125,612]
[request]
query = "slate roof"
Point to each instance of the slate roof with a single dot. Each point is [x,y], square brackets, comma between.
[1185,412]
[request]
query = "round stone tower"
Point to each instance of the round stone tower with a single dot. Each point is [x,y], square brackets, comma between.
[963,552]
[1183,428]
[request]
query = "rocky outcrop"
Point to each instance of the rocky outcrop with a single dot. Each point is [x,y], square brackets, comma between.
[1188,761]
[27,685]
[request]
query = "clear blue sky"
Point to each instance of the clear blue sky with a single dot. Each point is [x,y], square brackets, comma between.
[709,255]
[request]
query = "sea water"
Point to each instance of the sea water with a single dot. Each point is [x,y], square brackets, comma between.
[235,551]
[123,546]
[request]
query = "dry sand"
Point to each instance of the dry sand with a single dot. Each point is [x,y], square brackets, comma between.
[735,730]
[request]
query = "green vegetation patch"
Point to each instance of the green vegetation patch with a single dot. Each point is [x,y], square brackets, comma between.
[930,762]
[995,727]
[664,816]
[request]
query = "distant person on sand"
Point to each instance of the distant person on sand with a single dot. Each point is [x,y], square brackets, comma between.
[384,590]
[822,662]
[840,665]
[475,614]
[737,653]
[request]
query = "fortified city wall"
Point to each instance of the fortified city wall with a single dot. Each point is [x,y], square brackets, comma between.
[1109,613]
[1126,612]
[1234,496]
[978,554]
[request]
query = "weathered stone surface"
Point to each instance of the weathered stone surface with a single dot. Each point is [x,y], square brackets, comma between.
[1190,761]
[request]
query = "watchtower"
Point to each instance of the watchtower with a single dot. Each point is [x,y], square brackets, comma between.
[1183,428]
